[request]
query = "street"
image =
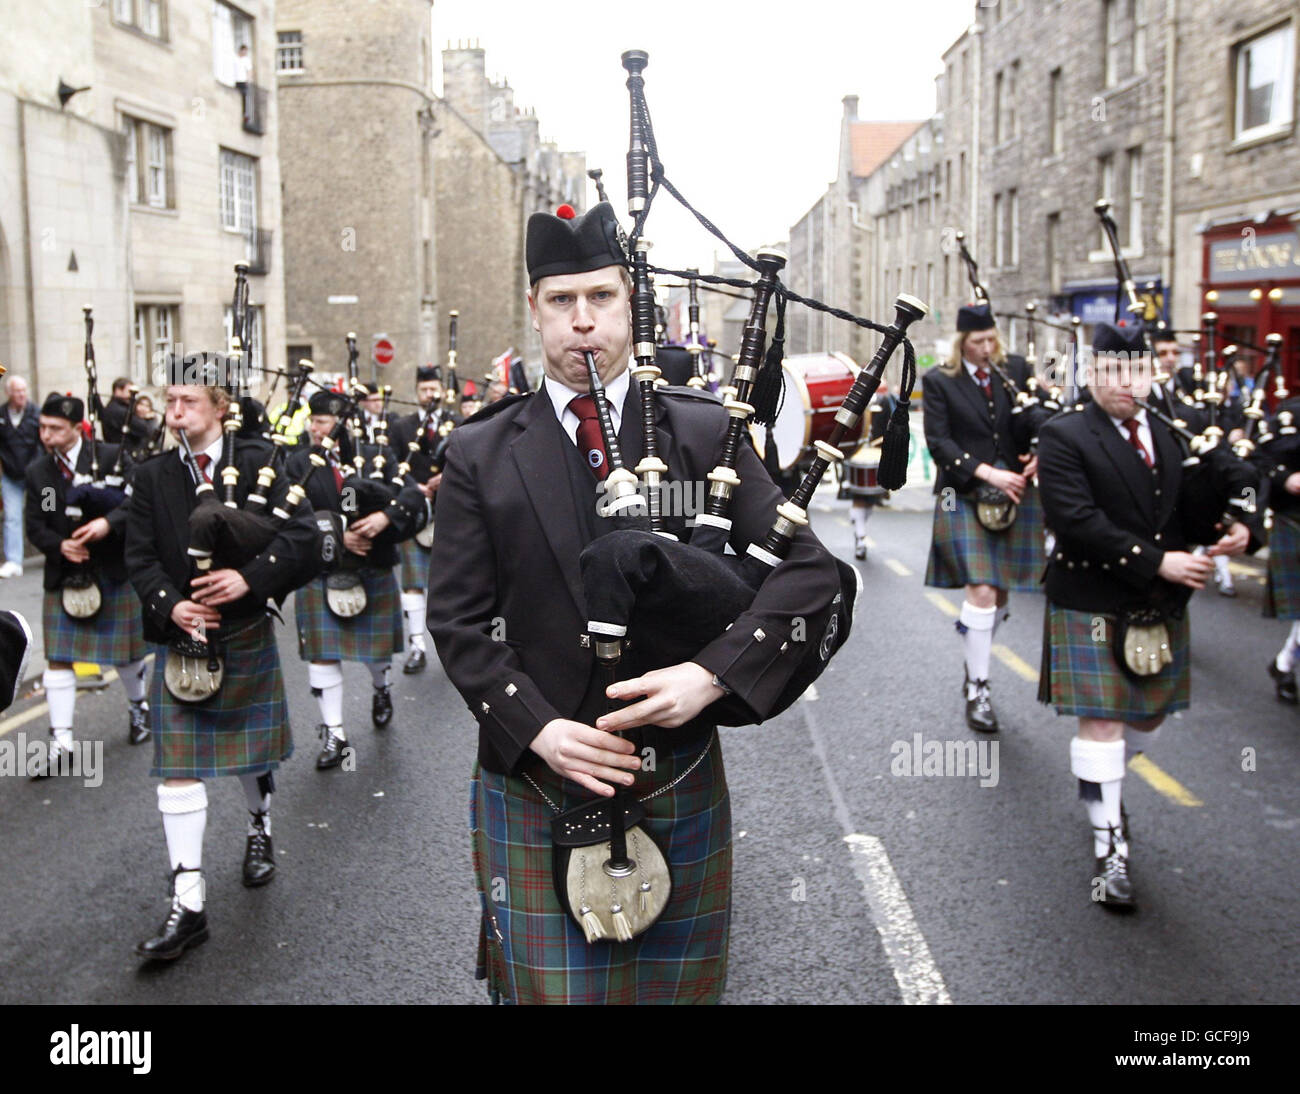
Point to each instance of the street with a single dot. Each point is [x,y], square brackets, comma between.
[853,883]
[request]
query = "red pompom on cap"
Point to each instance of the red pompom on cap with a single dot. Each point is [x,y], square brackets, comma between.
[565,212]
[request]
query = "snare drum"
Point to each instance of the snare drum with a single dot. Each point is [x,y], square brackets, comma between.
[815,386]
[860,472]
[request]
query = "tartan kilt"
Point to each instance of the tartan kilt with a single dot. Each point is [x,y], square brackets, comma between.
[963,552]
[114,637]
[1081,676]
[242,729]
[531,951]
[1282,597]
[415,565]
[374,635]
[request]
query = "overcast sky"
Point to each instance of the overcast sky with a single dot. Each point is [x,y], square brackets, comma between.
[745,96]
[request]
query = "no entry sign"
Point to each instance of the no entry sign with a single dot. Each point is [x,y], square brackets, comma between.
[383,351]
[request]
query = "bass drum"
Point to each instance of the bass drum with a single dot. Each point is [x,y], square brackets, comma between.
[815,385]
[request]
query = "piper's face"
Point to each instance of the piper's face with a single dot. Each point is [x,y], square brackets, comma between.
[979,345]
[190,407]
[1118,380]
[578,312]
[320,426]
[1168,353]
[373,404]
[57,434]
[427,391]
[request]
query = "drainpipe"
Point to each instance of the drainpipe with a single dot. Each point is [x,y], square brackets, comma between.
[34,379]
[1167,183]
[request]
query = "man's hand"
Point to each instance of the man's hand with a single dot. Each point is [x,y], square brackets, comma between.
[92,530]
[371,525]
[1234,541]
[195,619]
[74,550]
[428,489]
[1010,483]
[1030,460]
[1293,483]
[590,757]
[1184,568]
[357,544]
[672,697]
[219,587]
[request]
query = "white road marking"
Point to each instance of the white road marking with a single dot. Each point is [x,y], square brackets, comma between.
[918,977]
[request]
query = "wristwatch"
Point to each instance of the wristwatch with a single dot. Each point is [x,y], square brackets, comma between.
[719,684]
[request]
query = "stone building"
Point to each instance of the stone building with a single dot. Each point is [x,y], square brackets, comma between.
[139,188]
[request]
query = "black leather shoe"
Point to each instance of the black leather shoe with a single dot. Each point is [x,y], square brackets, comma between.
[57,760]
[180,930]
[1284,682]
[415,661]
[1112,871]
[139,730]
[259,859]
[979,711]
[381,708]
[332,749]
[860,549]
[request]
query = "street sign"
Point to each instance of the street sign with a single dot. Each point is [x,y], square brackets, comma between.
[383,351]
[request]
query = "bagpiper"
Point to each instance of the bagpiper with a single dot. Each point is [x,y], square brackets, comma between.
[219,708]
[352,613]
[89,611]
[1116,637]
[987,534]
[428,428]
[1278,455]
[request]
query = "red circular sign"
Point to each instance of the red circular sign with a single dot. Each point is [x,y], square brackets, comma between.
[383,352]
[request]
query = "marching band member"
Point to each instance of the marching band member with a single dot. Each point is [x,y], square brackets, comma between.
[90,613]
[1111,478]
[516,506]
[243,728]
[1279,453]
[373,634]
[437,420]
[968,430]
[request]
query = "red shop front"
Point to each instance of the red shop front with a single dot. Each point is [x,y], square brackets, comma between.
[1251,280]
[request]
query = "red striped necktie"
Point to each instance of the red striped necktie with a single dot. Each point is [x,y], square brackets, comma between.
[591,443]
[1136,441]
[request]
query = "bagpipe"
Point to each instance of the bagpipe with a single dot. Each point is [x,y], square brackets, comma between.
[90,496]
[673,596]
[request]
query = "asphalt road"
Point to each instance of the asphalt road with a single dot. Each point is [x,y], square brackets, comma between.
[943,890]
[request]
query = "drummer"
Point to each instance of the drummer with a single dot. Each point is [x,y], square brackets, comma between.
[859,483]
[988,530]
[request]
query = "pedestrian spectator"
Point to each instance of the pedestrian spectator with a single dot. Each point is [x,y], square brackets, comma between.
[243,76]
[19,445]
[113,414]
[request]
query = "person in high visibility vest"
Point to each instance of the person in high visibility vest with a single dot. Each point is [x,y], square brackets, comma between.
[297,423]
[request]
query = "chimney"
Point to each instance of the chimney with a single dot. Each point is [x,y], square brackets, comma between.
[850,108]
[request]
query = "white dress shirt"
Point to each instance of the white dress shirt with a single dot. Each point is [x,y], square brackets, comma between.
[213,452]
[1144,433]
[72,455]
[561,397]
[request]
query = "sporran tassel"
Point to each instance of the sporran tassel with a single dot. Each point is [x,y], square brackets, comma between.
[645,897]
[622,927]
[591,926]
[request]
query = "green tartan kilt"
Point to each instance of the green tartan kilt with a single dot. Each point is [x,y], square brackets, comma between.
[531,951]
[115,636]
[1282,598]
[242,729]
[374,635]
[963,552]
[1081,676]
[415,565]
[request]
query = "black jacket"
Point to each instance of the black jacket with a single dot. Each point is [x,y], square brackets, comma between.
[1112,516]
[48,524]
[112,417]
[407,511]
[963,430]
[506,606]
[158,536]
[405,430]
[20,444]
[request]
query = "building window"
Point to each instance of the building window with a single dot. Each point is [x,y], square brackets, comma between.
[1013,122]
[147,16]
[999,232]
[1135,199]
[1105,189]
[1139,15]
[288,51]
[965,73]
[155,330]
[230,30]
[999,108]
[148,163]
[961,170]
[929,283]
[238,191]
[1111,32]
[254,348]
[923,211]
[1013,228]
[1055,114]
[1265,79]
[1052,245]
[947,282]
